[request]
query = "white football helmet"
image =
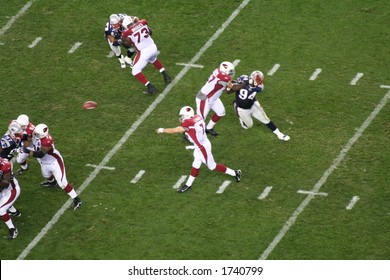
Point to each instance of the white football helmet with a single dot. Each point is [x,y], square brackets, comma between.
[186,113]
[256,78]
[23,121]
[127,22]
[15,130]
[227,68]
[115,21]
[41,131]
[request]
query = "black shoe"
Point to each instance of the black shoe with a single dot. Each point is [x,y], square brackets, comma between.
[167,79]
[17,213]
[151,89]
[185,137]
[183,189]
[238,175]
[21,170]
[13,232]
[76,202]
[212,132]
[48,183]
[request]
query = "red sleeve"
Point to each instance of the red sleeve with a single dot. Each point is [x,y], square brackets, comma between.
[47,141]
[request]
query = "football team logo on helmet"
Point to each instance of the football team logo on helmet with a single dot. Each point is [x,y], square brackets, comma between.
[256,78]
[186,113]
[41,131]
[227,68]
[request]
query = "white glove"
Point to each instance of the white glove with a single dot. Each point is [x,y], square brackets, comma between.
[160,130]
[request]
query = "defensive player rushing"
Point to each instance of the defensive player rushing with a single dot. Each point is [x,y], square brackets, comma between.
[27,128]
[51,161]
[208,97]
[113,32]
[247,106]
[194,127]
[138,33]
[10,191]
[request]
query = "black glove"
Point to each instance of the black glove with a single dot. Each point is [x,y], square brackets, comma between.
[117,42]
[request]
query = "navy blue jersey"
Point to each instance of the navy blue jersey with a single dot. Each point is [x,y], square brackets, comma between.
[8,146]
[246,96]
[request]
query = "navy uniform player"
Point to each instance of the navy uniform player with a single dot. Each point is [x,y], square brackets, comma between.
[11,140]
[113,32]
[247,106]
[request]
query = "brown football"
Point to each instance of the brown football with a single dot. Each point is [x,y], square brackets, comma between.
[89,105]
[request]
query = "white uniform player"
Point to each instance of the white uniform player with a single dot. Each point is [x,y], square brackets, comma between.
[247,106]
[27,128]
[10,191]
[194,127]
[139,33]
[208,97]
[113,31]
[51,161]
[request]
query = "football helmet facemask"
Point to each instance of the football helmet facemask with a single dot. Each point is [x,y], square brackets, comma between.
[41,130]
[256,78]
[186,113]
[15,130]
[115,21]
[227,68]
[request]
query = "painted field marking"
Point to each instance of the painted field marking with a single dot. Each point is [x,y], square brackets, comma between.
[352,202]
[236,62]
[131,130]
[288,224]
[180,182]
[14,18]
[1,43]
[265,193]
[110,54]
[75,47]
[190,147]
[273,70]
[138,176]
[384,86]
[356,79]
[103,167]
[35,42]
[224,185]
[190,65]
[315,74]
[312,193]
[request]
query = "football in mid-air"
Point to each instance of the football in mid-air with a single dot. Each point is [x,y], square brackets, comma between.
[89,105]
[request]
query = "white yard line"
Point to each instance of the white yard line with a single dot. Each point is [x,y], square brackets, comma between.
[138,176]
[315,74]
[352,202]
[324,177]
[36,41]
[14,18]
[178,184]
[224,185]
[265,193]
[132,129]
[356,79]
[273,70]
[75,47]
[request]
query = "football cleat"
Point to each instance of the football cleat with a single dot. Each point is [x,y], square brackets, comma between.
[17,213]
[48,183]
[151,89]
[122,61]
[284,137]
[21,170]
[167,79]
[184,189]
[76,202]
[238,175]
[129,61]
[212,132]
[13,232]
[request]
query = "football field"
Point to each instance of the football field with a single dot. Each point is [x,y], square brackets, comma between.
[323,195]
